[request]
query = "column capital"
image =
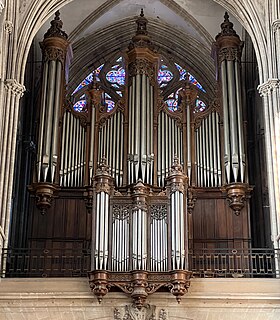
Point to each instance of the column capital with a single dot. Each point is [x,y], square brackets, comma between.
[15,87]
[276,25]
[8,26]
[268,87]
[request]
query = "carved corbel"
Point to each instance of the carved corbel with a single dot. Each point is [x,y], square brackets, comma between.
[237,194]
[44,193]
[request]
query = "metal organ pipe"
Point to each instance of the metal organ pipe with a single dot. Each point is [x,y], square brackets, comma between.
[207,142]
[227,158]
[72,151]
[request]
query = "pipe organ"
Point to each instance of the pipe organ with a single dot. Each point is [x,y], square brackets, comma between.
[150,174]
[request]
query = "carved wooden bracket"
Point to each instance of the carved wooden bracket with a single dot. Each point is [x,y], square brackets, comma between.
[237,194]
[44,193]
[88,197]
[139,284]
[191,200]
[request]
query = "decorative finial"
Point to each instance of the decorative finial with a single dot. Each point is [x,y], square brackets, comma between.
[56,28]
[142,13]
[226,17]
[227,27]
[103,167]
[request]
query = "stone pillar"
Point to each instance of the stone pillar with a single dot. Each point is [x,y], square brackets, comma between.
[268,91]
[13,91]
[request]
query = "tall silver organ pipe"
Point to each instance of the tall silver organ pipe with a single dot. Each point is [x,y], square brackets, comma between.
[207,146]
[103,183]
[72,164]
[139,227]
[229,48]
[176,184]
[140,129]
[54,48]
[158,236]
[120,237]
[111,145]
[170,143]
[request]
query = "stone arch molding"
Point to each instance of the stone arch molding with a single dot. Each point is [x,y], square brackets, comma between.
[36,13]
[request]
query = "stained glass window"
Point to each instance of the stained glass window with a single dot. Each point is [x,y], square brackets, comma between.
[164,75]
[172,100]
[89,79]
[109,102]
[116,76]
[195,82]
[80,106]
[183,74]
[200,106]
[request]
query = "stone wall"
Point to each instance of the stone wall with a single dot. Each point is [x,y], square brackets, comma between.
[71,299]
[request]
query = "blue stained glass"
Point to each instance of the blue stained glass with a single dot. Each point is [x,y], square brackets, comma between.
[83,97]
[164,76]
[119,59]
[200,106]
[116,76]
[80,106]
[88,79]
[195,82]
[182,71]
[109,103]
[119,93]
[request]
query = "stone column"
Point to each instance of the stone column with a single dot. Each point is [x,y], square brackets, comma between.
[13,91]
[268,91]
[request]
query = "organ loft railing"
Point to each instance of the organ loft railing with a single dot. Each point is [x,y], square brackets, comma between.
[143,165]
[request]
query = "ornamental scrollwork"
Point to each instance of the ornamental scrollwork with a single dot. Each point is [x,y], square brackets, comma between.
[103,187]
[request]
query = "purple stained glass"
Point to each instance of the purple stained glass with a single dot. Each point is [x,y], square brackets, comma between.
[195,82]
[200,106]
[116,76]
[88,79]
[182,71]
[109,102]
[164,75]
[80,106]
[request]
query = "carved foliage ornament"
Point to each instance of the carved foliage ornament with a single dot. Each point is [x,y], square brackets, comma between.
[15,87]
[147,312]
[142,66]
[229,54]
[268,87]
[51,53]
[158,212]
[8,26]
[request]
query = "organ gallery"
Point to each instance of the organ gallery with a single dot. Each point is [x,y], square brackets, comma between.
[138,170]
